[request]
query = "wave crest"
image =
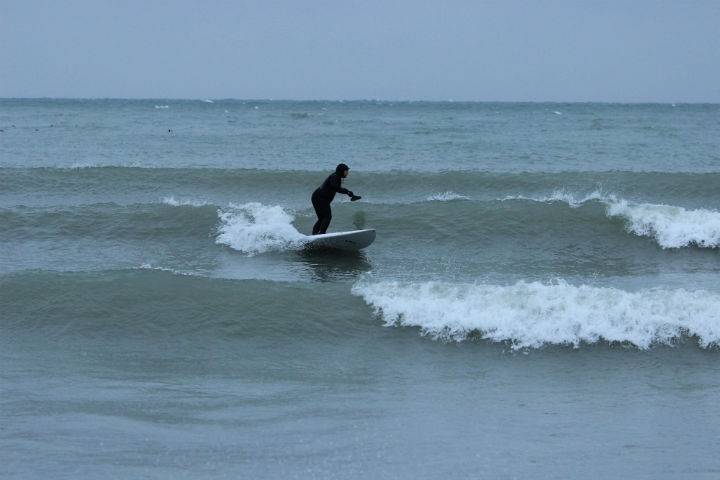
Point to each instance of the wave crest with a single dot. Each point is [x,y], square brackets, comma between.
[533,314]
[671,226]
[446,197]
[173,202]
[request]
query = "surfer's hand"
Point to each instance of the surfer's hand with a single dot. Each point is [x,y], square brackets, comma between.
[355,197]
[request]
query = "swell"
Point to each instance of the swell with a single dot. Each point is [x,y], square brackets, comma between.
[104,182]
[670,226]
[156,304]
[256,228]
[108,221]
[595,217]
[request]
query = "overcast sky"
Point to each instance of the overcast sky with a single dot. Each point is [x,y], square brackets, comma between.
[532,50]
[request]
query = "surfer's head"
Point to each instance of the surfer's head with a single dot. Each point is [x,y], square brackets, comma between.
[342,170]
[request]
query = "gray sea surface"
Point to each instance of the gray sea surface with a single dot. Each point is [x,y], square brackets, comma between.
[542,299]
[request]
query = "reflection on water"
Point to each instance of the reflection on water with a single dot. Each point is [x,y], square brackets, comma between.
[325,264]
[290,266]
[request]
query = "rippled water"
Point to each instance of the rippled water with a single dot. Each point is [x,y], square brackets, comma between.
[541,301]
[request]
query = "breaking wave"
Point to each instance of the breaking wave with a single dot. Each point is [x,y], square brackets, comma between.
[533,314]
[254,228]
[669,225]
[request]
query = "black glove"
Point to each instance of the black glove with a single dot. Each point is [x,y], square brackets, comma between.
[355,197]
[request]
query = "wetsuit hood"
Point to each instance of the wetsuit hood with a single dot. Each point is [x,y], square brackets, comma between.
[341,168]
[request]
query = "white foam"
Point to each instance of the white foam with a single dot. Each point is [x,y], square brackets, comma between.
[147,266]
[172,201]
[671,226]
[561,196]
[162,107]
[254,228]
[207,100]
[535,314]
[446,197]
[82,165]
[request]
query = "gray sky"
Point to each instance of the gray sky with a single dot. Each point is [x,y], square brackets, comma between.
[564,50]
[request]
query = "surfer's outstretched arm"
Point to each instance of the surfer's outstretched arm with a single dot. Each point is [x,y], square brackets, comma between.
[337,186]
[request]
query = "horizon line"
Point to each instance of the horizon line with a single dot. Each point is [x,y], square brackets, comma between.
[357,100]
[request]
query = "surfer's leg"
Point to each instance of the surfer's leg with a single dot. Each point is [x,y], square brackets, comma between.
[318,224]
[316,227]
[322,210]
[325,221]
[317,205]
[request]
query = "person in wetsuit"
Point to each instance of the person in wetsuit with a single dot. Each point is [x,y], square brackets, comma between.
[325,193]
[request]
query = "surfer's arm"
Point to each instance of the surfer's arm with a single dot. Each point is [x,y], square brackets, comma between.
[335,185]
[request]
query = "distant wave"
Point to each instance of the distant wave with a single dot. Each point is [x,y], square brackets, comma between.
[254,228]
[147,266]
[447,196]
[172,201]
[671,226]
[533,314]
[561,196]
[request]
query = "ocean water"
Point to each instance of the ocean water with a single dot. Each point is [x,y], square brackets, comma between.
[542,299]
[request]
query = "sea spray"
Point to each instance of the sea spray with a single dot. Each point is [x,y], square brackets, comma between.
[254,228]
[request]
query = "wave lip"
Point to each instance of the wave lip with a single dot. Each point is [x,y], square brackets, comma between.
[671,226]
[254,228]
[533,314]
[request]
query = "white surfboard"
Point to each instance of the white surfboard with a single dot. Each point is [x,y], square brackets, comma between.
[353,240]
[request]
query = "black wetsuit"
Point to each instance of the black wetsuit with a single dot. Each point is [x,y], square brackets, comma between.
[321,199]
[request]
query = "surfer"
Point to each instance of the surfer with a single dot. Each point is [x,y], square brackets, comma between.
[325,193]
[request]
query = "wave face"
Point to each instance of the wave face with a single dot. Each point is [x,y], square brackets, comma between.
[533,314]
[108,221]
[671,226]
[254,227]
[549,236]
[153,304]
